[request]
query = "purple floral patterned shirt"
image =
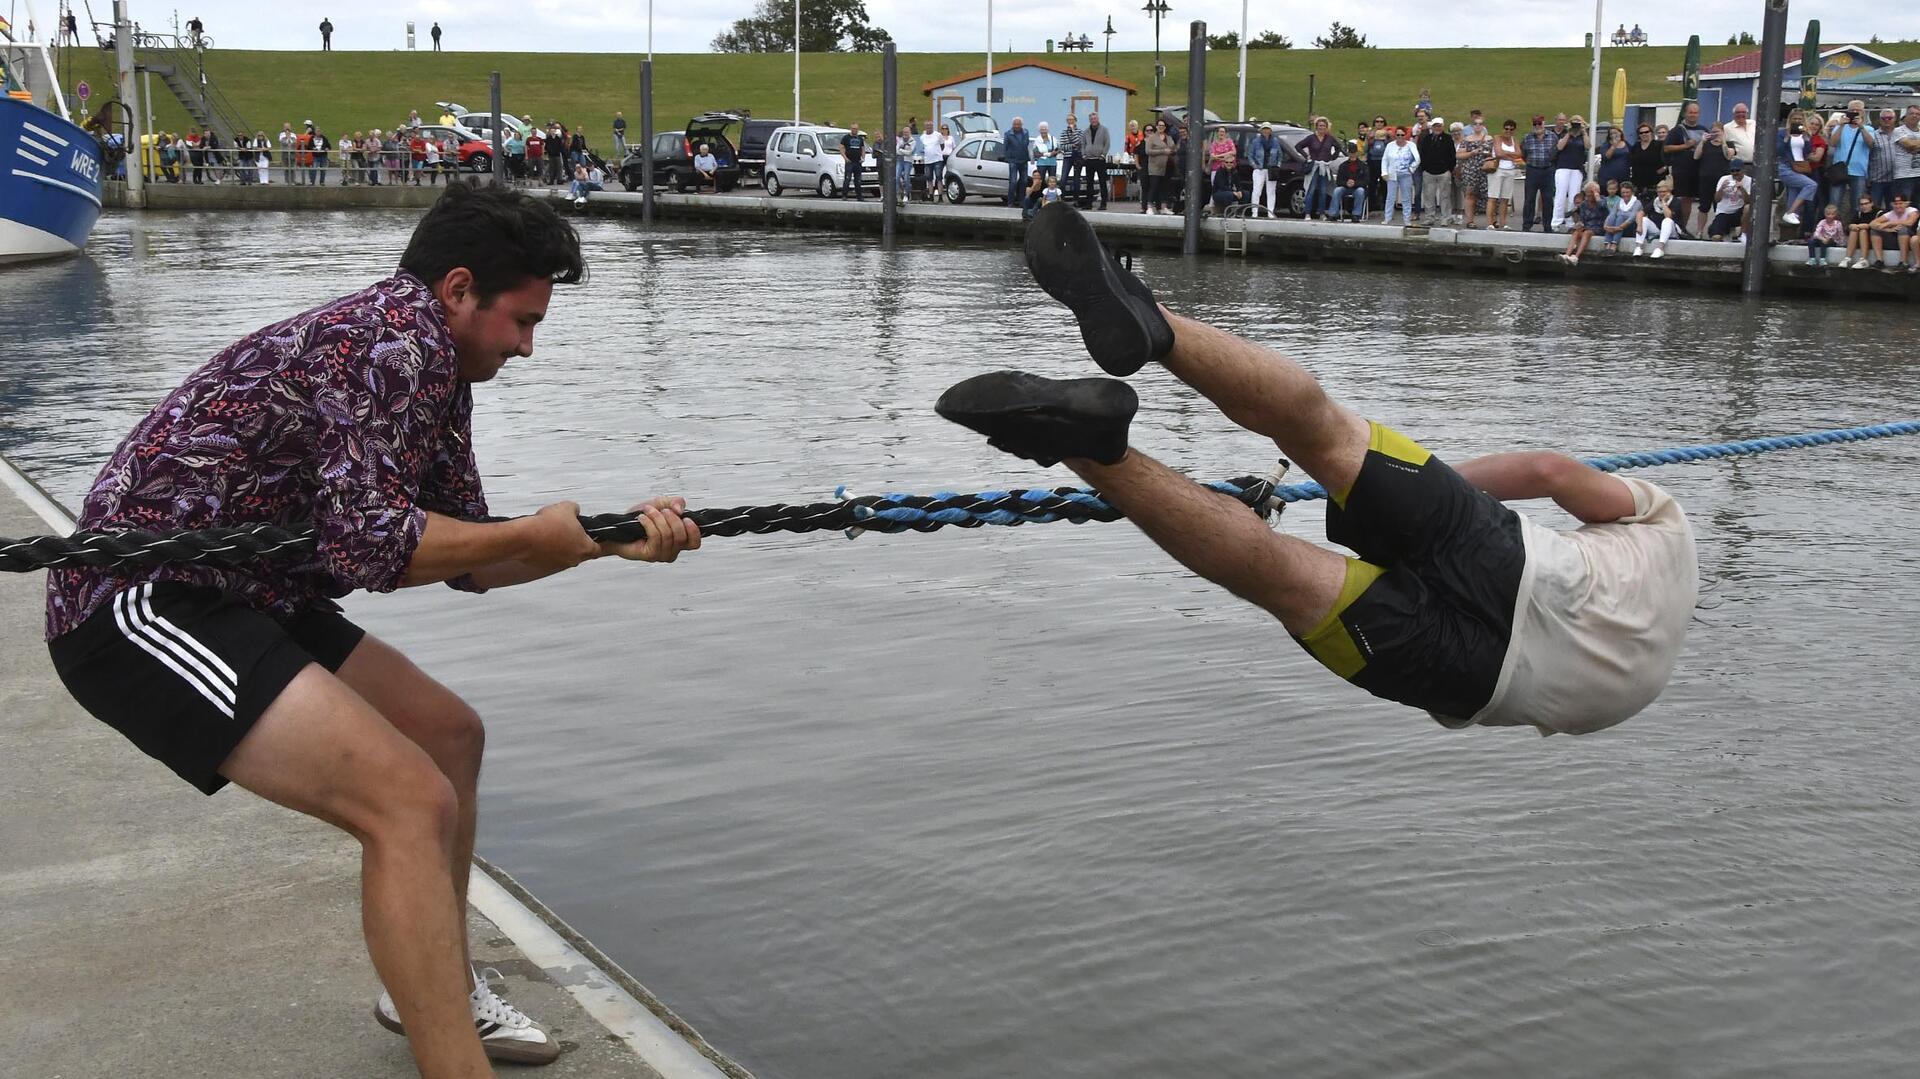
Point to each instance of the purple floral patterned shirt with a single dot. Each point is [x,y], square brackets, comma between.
[351,416]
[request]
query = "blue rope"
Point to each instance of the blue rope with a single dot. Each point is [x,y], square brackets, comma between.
[886,514]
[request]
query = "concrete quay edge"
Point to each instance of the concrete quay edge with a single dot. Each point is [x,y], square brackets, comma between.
[137,910]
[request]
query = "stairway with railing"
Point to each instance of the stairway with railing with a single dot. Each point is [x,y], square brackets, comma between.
[179,64]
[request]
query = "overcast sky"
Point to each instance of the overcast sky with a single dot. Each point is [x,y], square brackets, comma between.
[599,26]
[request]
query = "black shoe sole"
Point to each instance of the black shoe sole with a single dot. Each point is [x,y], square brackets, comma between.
[1119,321]
[1044,419]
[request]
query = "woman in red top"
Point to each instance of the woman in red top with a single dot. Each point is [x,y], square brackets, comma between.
[417,154]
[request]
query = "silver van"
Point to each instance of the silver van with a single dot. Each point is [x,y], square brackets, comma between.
[807,157]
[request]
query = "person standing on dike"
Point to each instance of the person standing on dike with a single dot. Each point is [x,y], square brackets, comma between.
[354,417]
[1456,604]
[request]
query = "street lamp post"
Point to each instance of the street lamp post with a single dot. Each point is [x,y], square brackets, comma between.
[1158,9]
[1109,31]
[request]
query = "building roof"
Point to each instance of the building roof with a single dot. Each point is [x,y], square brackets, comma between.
[1747,64]
[1060,68]
[1906,73]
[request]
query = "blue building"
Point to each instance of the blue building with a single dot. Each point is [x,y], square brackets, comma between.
[1736,80]
[1035,90]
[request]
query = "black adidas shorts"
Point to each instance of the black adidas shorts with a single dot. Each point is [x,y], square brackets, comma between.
[1426,614]
[184,671]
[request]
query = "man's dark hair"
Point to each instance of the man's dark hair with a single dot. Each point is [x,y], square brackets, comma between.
[500,235]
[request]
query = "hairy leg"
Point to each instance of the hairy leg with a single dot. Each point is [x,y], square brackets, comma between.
[1270,395]
[436,720]
[1221,540]
[324,751]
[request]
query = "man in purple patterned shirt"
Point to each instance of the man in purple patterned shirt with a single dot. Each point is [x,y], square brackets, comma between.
[353,416]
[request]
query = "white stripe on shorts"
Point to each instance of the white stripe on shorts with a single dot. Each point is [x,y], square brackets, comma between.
[126,617]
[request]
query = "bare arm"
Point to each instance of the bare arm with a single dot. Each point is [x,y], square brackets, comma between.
[1582,490]
[450,547]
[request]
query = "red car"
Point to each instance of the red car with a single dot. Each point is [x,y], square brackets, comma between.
[476,154]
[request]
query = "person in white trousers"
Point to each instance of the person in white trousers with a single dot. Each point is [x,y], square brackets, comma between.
[1569,167]
[1264,154]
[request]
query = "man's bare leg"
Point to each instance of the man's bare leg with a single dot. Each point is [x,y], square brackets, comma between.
[323,750]
[1221,540]
[436,720]
[1270,395]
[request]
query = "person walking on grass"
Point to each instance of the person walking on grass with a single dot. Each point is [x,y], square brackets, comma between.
[254,677]
[1452,603]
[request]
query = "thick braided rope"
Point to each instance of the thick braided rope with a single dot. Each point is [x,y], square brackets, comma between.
[870,513]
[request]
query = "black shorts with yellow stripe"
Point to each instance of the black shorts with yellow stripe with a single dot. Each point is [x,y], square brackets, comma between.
[1427,610]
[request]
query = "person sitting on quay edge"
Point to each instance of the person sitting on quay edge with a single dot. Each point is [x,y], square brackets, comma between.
[1350,183]
[1657,221]
[1017,146]
[1793,168]
[706,170]
[1864,212]
[1900,222]
[1730,200]
[585,181]
[1588,216]
[1828,234]
[1623,216]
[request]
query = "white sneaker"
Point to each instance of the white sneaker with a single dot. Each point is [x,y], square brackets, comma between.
[1639,249]
[1658,251]
[1790,218]
[1861,265]
[505,1032]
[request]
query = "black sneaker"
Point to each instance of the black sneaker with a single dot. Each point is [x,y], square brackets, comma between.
[1044,419]
[1119,320]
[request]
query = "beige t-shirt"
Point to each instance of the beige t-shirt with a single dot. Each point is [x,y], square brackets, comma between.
[1600,617]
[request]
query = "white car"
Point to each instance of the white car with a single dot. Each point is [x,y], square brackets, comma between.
[808,158]
[978,167]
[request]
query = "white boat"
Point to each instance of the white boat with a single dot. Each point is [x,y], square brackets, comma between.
[50,167]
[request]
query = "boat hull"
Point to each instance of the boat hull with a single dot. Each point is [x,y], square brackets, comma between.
[50,173]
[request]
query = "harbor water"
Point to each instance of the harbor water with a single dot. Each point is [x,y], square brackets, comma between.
[1036,801]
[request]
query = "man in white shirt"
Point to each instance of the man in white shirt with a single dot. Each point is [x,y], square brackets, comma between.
[1455,605]
[1730,198]
[931,149]
[706,170]
[1739,134]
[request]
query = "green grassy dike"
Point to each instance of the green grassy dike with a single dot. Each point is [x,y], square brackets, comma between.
[345,91]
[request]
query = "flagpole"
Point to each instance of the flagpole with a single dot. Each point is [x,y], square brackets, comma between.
[796,61]
[1593,98]
[1242,114]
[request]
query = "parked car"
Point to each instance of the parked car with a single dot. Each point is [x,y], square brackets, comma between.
[808,158]
[754,137]
[978,167]
[1293,169]
[476,154]
[673,152]
[481,122]
[962,124]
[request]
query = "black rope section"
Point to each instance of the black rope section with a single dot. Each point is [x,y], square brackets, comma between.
[243,544]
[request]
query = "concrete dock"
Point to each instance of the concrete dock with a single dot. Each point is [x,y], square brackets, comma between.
[151,931]
[1689,264]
